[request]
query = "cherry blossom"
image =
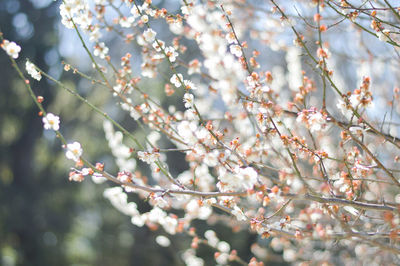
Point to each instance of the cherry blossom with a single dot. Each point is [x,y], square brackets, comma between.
[171,53]
[31,69]
[11,48]
[238,213]
[163,241]
[76,176]
[383,35]
[74,151]
[51,121]
[236,50]
[148,157]
[188,100]
[100,50]
[149,35]
[177,80]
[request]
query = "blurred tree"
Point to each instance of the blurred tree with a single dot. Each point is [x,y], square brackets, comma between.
[41,222]
[30,225]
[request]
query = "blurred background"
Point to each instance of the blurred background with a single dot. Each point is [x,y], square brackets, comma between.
[44,218]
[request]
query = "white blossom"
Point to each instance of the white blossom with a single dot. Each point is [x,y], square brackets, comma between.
[126,22]
[30,68]
[189,85]
[11,48]
[236,50]
[100,50]
[238,213]
[188,100]
[144,18]
[163,241]
[158,45]
[383,36]
[51,121]
[148,157]
[248,177]
[177,80]
[74,151]
[195,211]
[171,53]
[149,35]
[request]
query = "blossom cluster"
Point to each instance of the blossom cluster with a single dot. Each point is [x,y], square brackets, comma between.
[268,127]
